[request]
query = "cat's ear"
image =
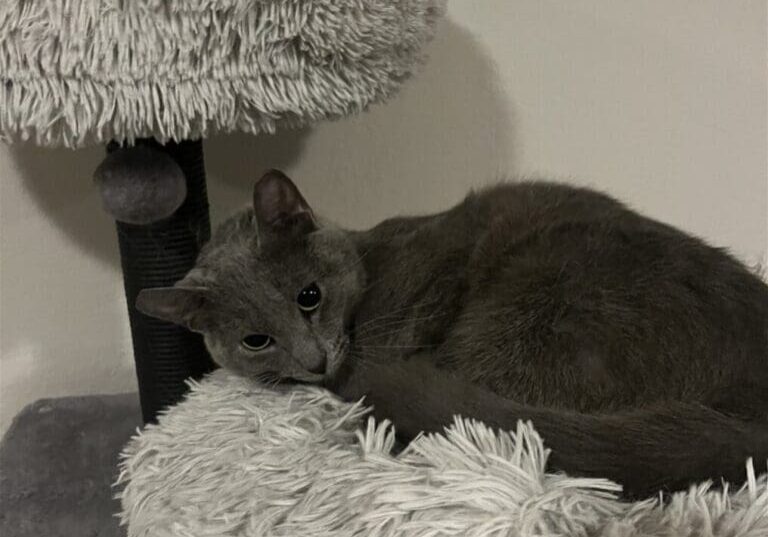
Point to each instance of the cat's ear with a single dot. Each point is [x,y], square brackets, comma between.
[280,208]
[185,306]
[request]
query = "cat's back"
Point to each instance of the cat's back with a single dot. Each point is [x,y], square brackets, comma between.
[591,238]
[582,276]
[529,224]
[533,277]
[524,204]
[562,223]
[541,202]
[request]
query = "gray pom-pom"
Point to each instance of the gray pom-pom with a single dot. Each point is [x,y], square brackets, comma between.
[140,185]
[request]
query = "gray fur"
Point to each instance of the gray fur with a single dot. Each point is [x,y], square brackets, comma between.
[622,338]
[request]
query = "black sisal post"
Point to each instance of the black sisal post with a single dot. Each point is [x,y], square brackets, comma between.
[156,255]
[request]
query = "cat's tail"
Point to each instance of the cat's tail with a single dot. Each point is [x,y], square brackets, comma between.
[664,447]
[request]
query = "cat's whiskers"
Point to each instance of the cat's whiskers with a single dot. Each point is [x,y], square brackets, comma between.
[268,378]
[394,327]
[427,346]
[370,284]
[394,313]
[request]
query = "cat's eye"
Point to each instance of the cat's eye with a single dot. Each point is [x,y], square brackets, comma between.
[309,298]
[256,342]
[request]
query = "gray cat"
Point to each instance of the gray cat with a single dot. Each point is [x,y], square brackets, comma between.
[640,353]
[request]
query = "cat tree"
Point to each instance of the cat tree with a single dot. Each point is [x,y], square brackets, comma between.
[151,78]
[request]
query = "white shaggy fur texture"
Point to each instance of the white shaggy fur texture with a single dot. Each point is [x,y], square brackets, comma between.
[240,459]
[74,72]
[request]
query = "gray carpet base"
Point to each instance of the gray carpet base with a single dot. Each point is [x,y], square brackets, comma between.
[58,461]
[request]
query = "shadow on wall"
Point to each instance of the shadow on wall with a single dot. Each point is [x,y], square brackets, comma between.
[238,159]
[447,130]
[60,181]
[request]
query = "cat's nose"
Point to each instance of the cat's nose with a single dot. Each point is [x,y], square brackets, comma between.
[313,361]
[318,367]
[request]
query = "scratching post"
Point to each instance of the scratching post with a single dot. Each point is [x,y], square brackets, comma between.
[159,254]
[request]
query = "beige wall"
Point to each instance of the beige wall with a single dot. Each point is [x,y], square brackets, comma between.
[661,102]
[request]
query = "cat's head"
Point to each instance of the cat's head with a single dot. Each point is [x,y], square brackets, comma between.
[274,290]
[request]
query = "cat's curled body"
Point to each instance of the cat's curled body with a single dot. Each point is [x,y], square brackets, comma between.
[562,297]
[639,352]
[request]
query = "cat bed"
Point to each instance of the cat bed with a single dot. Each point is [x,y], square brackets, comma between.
[237,458]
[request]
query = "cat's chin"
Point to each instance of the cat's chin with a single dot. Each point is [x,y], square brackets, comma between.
[307,378]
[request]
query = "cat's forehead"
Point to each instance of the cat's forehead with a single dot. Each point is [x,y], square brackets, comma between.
[235,260]
[287,264]
[244,265]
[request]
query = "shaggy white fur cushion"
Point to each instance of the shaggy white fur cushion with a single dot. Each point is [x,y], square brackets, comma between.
[240,459]
[74,72]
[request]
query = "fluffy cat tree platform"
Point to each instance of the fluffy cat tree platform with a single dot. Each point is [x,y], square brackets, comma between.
[239,459]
